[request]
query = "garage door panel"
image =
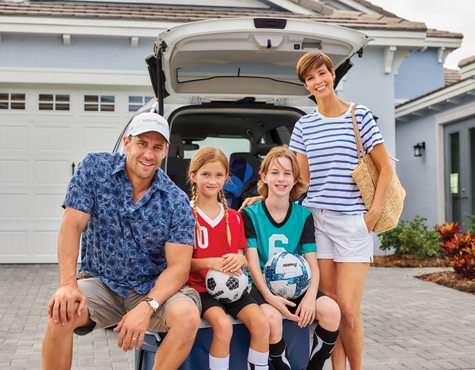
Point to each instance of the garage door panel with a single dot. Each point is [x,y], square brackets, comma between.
[13,172]
[13,138]
[14,243]
[46,243]
[53,172]
[98,138]
[52,138]
[49,206]
[13,206]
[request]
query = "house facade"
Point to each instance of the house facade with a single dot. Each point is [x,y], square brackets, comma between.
[72,74]
[440,183]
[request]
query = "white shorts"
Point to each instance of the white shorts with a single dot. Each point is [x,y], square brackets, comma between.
[342,238]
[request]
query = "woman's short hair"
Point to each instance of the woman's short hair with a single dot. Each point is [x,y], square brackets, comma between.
[275,153]
[311,61]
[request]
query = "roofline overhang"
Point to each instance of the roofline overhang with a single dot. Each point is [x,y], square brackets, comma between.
[450,95]
[96,27]
[446,42]
[411,39]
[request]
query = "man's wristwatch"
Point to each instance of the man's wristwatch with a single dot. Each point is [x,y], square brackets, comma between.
[152,302]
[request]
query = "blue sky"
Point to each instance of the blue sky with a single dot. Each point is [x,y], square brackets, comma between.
[452,15]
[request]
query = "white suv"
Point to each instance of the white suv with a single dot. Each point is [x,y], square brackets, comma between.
[232,84]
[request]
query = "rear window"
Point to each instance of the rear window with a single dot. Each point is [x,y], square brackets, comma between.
[238,69]
[227,145]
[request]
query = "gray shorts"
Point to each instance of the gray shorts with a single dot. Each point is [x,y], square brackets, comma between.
[107,308]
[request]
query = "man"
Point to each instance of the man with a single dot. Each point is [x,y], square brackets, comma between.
[136,248]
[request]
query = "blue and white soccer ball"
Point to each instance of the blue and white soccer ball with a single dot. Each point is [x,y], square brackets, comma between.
[287,275]
[225,288]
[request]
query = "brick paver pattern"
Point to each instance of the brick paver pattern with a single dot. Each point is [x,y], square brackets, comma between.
[409,323]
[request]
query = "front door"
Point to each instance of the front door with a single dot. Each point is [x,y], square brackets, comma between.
[460,171]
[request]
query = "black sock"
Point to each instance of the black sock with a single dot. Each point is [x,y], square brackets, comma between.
[278,355]
[323,343]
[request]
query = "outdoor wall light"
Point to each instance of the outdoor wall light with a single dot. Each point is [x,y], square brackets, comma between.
[419,149]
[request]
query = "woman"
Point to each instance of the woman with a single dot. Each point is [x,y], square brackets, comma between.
[326,151]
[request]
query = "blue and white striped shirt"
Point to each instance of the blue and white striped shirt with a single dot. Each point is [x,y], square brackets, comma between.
[329,144]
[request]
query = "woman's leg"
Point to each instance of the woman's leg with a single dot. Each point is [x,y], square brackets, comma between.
[328,285]
[222,331]
[351,280]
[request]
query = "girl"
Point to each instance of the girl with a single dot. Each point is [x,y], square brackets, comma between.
[219,245]
[326,151]
[274,225]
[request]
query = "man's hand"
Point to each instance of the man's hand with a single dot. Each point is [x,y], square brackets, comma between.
[281,305]
[132,327]
[61,305]
[306,310]
[233,263]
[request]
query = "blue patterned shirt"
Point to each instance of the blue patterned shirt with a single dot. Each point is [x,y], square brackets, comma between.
[123,244]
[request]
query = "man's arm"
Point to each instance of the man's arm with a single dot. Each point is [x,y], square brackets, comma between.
[135,323]
[62,303]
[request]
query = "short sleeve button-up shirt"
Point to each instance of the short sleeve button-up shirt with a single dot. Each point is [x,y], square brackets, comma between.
[123,244]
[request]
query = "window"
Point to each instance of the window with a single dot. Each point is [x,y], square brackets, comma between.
[95,103]
[12,101]
[53,102]
[227,145]
[135,102]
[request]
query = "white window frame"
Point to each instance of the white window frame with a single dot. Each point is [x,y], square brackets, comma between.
[54,102]
[99,103]
[9,101]
[144,100]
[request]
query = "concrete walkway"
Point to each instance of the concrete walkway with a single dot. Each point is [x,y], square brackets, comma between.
[409,324]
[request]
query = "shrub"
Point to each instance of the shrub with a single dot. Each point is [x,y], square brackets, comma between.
[471,223]
[459,249]
[412,238]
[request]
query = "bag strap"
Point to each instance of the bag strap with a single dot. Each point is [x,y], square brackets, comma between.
[359,144]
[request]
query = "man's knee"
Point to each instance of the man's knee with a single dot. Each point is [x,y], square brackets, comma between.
[184,315]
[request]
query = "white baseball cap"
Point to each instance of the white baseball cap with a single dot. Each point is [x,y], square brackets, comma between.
[146,122]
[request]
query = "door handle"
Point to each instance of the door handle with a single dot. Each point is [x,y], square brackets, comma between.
[464,197]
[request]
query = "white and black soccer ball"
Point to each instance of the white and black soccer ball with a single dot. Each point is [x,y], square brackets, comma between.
[225,288]
[287,275]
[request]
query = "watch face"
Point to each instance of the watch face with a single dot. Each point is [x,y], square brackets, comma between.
[154,304]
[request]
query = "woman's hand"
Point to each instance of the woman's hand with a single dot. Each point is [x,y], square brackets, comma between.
[306,311]
[250,202]
[370,219]
[232,264]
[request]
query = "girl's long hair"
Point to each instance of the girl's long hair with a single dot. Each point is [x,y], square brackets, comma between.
[199,159]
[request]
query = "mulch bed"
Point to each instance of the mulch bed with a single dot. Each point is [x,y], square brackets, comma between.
[445,278]
[407,261]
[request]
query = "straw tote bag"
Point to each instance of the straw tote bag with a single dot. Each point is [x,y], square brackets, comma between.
[366,176]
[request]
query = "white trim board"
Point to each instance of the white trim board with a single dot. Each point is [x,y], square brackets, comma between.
[64,76]
[440,96]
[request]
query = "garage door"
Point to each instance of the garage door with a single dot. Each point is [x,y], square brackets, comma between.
[44,135]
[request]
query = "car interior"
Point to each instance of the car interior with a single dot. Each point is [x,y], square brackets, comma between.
[247,133]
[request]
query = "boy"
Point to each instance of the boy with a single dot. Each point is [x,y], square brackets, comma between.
[274,225]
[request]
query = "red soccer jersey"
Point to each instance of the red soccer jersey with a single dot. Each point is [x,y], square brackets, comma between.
[214,242]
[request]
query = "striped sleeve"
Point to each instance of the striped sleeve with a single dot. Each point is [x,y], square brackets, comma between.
[369,131]
[297,143]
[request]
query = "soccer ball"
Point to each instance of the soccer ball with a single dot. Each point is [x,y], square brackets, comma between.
[287,275]
[225,288]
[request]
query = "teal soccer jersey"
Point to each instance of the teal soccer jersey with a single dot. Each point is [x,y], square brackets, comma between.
[262,232]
